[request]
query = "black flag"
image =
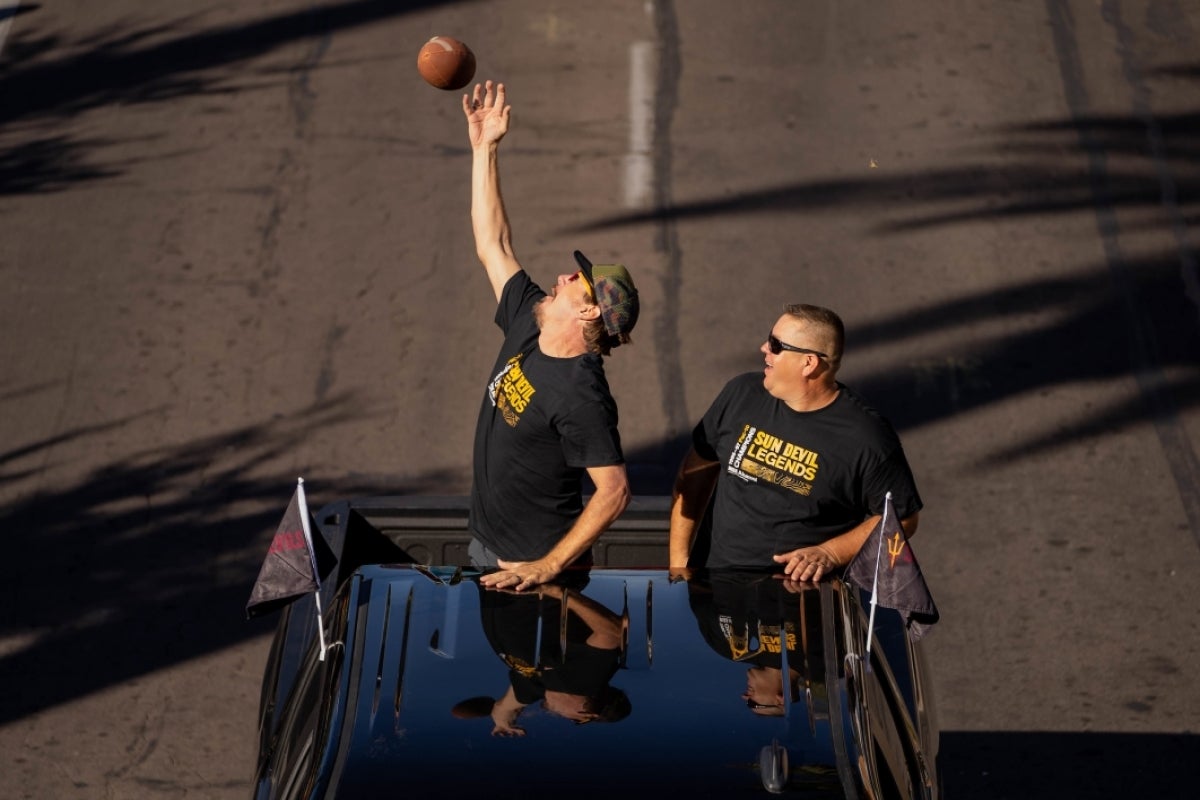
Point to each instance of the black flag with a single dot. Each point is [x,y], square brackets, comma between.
[888,557]
[291,566]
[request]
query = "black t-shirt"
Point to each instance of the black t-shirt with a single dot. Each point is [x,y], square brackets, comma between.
[542,423]
[793,479]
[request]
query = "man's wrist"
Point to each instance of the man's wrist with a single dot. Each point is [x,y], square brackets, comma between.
[549,563]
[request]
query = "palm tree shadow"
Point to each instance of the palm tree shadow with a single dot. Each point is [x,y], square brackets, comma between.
[46,78]
[149,562]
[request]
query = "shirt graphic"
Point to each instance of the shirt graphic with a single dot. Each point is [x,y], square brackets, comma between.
[759,455]
[743,645]
[511,391]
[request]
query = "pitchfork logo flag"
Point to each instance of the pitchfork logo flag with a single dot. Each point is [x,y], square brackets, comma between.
[887,567]
[293,565]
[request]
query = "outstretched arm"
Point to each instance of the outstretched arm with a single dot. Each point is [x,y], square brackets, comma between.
[487,122]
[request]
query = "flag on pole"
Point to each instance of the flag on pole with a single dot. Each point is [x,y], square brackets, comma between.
[887,567]
[295,561]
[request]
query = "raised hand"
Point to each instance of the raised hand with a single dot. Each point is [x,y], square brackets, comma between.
[487,114]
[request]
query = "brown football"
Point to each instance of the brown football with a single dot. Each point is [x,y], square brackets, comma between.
[446,63]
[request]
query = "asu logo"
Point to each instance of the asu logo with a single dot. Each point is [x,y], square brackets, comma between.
[896,546]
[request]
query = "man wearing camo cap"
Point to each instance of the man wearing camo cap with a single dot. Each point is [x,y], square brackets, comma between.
[547,417]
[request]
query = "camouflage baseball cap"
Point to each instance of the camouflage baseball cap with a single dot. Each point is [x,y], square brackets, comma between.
[613,288]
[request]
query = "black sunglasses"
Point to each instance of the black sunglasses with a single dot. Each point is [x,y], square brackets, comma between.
[776,347]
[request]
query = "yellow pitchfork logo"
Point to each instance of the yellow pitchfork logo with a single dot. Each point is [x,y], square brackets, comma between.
[895,548]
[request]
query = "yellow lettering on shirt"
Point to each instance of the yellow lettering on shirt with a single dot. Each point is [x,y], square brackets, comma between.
[763,455]
[512,391]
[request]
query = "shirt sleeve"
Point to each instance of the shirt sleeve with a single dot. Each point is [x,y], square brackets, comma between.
[892,474]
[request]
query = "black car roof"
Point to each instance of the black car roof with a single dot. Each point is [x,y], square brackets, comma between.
[416,648]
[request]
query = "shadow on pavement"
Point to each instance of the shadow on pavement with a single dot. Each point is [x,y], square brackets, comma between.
[129,65]
[149,562]
[1052,766]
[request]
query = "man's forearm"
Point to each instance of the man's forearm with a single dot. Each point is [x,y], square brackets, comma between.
[845,546]
[601,511]
[682,536]
[693,489]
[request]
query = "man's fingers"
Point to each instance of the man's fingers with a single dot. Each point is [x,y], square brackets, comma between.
[505,580]
[803,570]
[802,566]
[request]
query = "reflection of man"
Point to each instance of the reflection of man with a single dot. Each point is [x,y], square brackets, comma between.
[753,619]
[548,416]
[572,683]
[796,465]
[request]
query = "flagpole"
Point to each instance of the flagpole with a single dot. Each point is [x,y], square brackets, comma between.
[887,503]
[312,557]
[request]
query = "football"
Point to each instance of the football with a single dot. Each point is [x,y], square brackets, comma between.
[446,63]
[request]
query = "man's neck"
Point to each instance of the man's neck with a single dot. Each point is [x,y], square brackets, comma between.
[813,399]
[562,344]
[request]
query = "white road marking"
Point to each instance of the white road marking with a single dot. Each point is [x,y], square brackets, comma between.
[639,161]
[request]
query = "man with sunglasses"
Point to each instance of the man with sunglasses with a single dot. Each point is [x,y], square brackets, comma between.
[547,417]
[789,466]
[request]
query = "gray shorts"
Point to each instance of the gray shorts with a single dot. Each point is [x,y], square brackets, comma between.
[481,557]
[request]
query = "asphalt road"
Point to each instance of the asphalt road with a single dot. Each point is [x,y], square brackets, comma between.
[235,249]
